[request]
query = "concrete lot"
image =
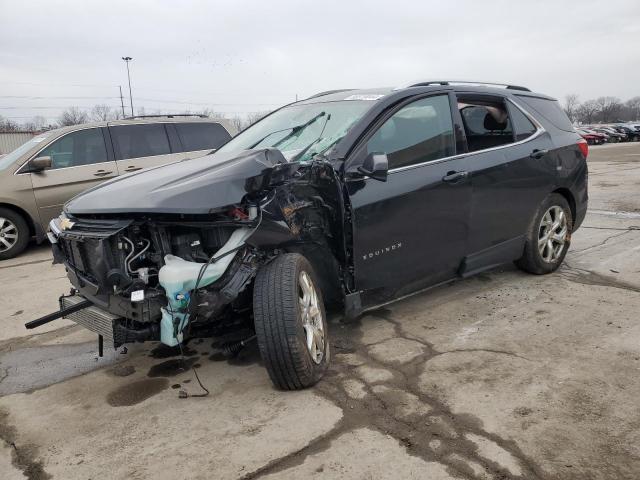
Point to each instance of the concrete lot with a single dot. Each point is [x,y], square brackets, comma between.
[505,375]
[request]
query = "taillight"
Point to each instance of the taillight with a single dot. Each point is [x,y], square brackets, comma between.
[584,147]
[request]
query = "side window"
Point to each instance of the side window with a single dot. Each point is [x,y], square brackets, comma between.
[83,147]
[133,141]
[486,123]
[417,133]
[202,135]
[549,109]
[521,124]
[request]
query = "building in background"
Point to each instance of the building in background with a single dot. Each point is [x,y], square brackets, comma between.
[9,141]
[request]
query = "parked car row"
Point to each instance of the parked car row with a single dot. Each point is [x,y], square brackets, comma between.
[37,178]
[614,133]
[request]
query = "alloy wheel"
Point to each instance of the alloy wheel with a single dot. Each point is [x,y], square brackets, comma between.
[311,314]
[8,234]
[552,234]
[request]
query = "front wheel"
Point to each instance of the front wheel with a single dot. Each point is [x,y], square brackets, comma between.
[14,234]
[290,322]
[548,236]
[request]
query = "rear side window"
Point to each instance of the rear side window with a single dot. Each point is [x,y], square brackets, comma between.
[134,141]
[550,110]
[486,123]
[522,126]
[202,136]
[419,132]
[76,149]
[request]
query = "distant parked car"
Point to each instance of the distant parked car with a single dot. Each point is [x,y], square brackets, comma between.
[614,137]
[632,134]
[37,178]
[596,137]
[592,138]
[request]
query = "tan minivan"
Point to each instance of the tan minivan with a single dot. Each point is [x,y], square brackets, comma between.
[38,177]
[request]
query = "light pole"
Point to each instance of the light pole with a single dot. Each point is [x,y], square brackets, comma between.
[127,60]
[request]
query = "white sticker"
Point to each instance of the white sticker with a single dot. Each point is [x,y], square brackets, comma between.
[369,97]
[137,296]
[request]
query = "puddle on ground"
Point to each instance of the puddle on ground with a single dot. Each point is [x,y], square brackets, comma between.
[162,351]
[171,368]
[136,392]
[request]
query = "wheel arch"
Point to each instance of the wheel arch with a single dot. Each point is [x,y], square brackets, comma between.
[33,230]
[568,196]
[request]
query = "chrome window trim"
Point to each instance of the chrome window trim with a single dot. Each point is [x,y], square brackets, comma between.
[539,131]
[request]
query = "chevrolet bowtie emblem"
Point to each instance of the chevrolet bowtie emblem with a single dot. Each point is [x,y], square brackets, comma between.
[66,224]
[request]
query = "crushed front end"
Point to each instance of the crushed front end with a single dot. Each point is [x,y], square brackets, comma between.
[157,277]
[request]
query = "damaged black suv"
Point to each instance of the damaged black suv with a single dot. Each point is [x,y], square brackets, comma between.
[350,198]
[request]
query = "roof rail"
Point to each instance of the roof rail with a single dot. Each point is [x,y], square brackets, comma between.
[167,115]
[329,92]
[464,82]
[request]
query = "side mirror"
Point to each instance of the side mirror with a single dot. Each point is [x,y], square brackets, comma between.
[376,166]
[39,164]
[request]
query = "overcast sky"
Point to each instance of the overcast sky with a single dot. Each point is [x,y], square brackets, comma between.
[245,56]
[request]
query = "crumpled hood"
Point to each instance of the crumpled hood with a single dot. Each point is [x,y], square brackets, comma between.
[194,186]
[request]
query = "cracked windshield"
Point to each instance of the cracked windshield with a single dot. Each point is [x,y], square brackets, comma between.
[301,131]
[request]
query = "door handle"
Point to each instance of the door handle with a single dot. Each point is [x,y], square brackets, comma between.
[454,177]
[538,154]
[102,173]
[132,168]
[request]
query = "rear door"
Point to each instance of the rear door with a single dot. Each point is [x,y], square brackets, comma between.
[200,138]
[512,167]
[142,145]
[410,231]
[79,160]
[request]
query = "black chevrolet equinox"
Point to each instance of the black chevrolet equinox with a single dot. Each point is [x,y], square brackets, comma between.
[351,198]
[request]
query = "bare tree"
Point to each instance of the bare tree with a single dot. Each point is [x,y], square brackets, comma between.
[210,112]
[253,118]
[586,111]
[571,104]
[7,125]
[237,122]
[36,124]
[72,116]
[608,108]
[633,104]
[103,113]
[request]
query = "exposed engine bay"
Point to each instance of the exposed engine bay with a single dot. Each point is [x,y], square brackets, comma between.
[170,277]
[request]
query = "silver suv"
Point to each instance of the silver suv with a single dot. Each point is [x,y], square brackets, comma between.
[37,178]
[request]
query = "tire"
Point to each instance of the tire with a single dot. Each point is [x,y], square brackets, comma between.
[280,322]
[549,256]
[14,233]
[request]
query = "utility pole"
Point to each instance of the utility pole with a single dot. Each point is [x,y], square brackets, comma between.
[127,60]
[121,100]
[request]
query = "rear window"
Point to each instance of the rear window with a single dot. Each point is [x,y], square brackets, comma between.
[549,110]
[202,136]
[134,141]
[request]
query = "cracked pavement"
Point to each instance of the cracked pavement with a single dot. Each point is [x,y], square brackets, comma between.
[501,376]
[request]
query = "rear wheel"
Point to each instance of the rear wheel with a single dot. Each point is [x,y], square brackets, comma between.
[290,322]
[548,236]
[14,233]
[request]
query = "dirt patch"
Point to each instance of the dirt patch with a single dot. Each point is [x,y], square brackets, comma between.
[123,370]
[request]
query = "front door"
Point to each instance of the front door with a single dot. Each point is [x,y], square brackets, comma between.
[410,231]
[79,161]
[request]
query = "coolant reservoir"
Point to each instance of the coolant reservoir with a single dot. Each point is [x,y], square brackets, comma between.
[178,277]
